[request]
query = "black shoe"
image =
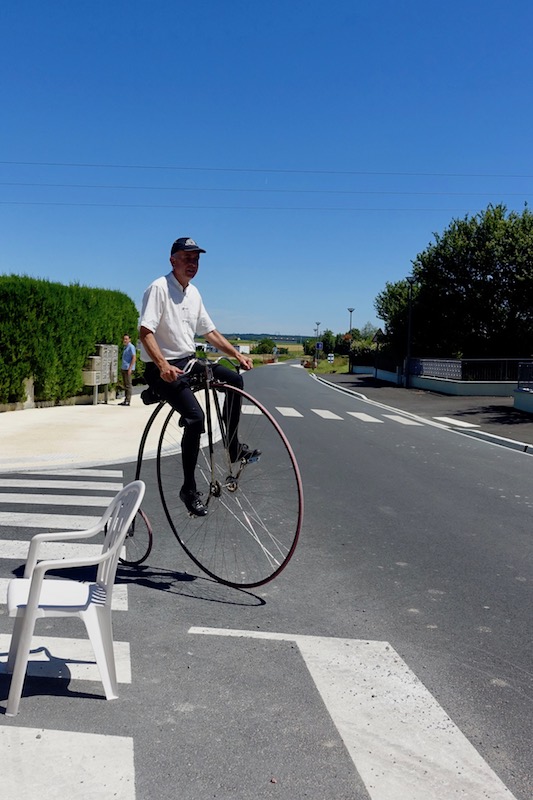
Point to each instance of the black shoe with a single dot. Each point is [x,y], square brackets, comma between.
[148,397]
[192,501]
[124,404]
[244,453]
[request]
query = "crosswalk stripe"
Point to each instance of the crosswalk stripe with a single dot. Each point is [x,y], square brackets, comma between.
[62,657]
[402,420]
[69,522]
[28,483]
[288,412]
[458,422]
[386,716]
[84,471]
[53,499]
[321,412]
[364,417]
[13,548]
[119,600]
[44,763]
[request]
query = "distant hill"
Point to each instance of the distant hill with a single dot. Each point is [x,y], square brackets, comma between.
[277,337]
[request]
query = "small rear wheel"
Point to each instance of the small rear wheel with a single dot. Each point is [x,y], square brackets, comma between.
[138,541]
[254,504]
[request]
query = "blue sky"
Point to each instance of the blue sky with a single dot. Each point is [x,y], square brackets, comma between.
[312,148]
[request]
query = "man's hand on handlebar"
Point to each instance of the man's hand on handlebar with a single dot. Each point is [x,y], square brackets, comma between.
[245,362]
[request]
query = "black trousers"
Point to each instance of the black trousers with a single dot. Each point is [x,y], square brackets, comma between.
[181,397]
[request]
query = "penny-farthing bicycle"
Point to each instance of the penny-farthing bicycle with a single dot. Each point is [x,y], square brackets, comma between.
[255,505]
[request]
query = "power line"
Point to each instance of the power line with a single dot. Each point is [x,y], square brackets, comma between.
[221,208]
[263,171]
[258,190]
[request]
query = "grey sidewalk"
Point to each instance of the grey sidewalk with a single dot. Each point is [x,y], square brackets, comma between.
[484,416]
[74,436]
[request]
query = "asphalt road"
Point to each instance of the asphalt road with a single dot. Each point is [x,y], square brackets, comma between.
[415,559]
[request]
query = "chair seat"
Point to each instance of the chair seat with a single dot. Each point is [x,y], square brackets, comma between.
[57,596]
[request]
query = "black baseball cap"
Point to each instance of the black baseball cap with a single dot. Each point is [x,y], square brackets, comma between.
[185,244]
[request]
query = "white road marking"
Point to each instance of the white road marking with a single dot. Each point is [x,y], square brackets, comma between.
[61,657]
[12,548]
[37,762]
[402,420]
[364,417]
[402,743]
[288,412]
[321,412]
[119,601]
[458,422]
[28,483]
[54,499]
[69,522]
[89,473]
[248,409]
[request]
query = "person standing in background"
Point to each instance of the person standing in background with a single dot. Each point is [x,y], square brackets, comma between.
[129,357]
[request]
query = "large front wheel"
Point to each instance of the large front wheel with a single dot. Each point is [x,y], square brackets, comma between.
[255,506]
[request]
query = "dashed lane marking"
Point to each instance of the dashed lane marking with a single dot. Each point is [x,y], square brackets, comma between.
[249,409]
[288,412]
[403,420]
[458,422]
[364,417]
[321,412]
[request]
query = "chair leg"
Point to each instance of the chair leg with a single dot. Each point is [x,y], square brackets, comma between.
[99,627]
[14,643]
[21,658]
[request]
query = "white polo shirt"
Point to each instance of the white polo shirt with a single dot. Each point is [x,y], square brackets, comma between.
[174,316]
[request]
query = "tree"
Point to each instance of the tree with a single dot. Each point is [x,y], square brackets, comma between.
[264,346]
[474,290]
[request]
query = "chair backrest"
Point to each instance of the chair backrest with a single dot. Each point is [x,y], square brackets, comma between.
[117,518]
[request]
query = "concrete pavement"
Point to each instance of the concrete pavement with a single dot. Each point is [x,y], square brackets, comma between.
[88,435]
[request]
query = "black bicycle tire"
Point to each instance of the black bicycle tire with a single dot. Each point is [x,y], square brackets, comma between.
[170,505]
[146,529]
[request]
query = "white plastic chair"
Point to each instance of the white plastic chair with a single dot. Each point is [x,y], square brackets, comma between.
[31,597]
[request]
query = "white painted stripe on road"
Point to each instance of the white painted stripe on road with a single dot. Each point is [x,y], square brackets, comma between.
[54,499]
[401,741]
[28,483]
[321,412]
[12,548]
[119,601]
[43,763]
[458,422]
[68,522]
[61,657]
[402,420]
[249,409]
[89,473]
[288,412]
[364,417]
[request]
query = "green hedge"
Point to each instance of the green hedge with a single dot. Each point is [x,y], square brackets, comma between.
[47,330]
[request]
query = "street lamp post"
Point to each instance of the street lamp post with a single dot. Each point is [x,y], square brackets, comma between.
[316,345]
[411,281]
[351,310]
